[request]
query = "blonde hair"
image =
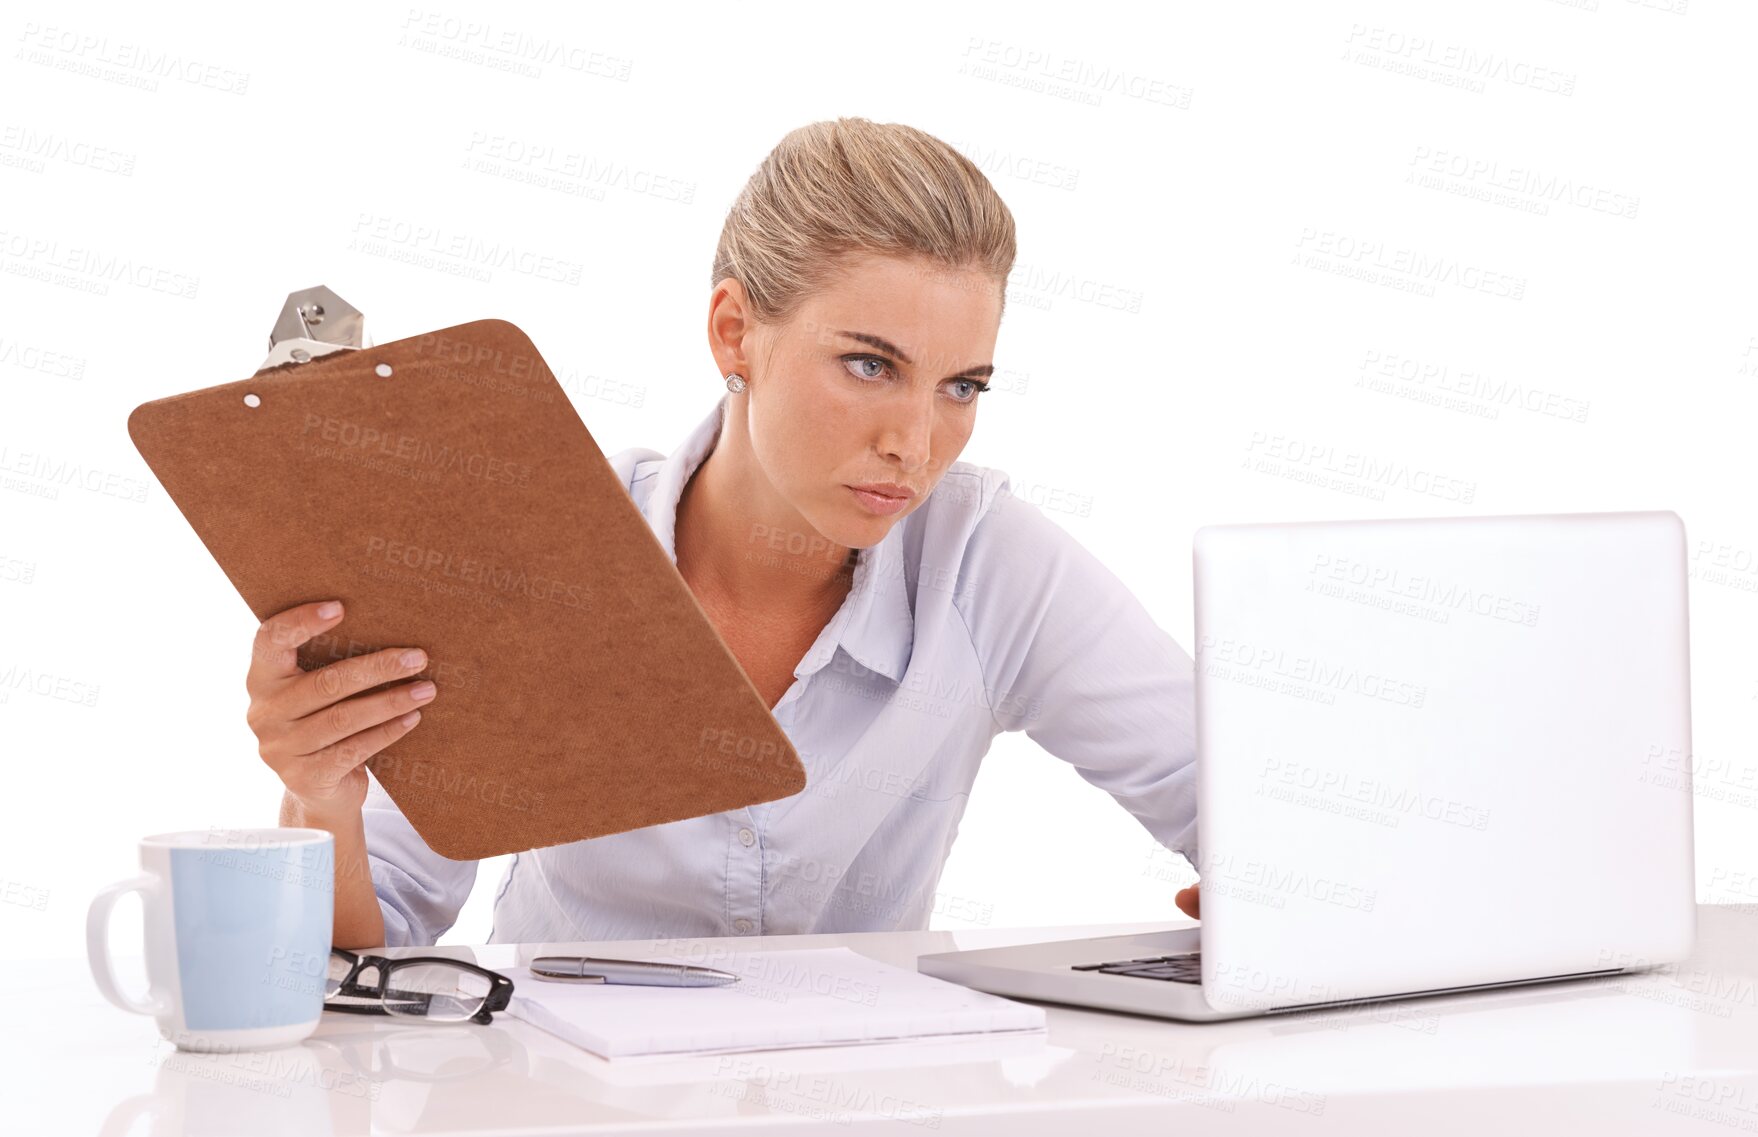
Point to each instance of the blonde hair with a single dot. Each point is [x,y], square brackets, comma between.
[850,185]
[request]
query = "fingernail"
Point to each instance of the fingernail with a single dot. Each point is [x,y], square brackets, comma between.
[423,690]
[329,609]
[414,657]
[411,718]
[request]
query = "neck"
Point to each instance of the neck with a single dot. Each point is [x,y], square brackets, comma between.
[738,537]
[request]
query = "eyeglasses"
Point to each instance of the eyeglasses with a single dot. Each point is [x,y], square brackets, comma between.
[428,987]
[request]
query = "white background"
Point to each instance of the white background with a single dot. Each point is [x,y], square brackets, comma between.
[1191,184]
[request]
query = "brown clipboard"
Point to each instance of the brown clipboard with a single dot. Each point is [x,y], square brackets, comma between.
[444,489]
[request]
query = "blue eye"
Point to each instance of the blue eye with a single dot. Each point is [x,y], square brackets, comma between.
[977,389]
[862,359]
[859,370]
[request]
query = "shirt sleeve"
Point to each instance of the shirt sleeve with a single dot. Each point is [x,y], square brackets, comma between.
[419,891]
[1074,660]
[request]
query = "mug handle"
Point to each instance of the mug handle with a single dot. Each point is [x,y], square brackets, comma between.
[97,944]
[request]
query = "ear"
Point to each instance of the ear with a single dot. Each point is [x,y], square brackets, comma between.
[730,324]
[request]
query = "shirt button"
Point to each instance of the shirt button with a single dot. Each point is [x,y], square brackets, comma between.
[741,925]
[747,838]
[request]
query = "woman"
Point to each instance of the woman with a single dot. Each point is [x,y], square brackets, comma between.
[895,606]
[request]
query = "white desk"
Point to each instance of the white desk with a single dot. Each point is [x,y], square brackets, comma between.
[1671,1051]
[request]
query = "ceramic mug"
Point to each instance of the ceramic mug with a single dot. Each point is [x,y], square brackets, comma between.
[237,925]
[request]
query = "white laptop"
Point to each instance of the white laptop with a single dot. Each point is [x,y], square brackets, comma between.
[1433,755]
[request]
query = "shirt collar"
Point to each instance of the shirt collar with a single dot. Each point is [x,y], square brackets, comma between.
[875,624]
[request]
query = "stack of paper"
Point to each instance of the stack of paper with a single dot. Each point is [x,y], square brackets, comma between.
[826,997]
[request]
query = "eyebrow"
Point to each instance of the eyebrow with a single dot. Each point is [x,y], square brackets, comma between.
[884,344]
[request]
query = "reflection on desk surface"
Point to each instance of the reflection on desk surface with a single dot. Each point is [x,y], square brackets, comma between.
[1676,1045]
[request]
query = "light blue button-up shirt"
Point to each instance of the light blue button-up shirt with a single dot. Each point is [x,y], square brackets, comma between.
[974,615]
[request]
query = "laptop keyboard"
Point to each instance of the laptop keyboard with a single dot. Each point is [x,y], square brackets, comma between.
[1182,967]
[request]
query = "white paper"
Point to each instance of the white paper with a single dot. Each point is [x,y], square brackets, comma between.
[824,997]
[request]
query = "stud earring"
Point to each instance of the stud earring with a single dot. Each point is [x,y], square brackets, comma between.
[735,382]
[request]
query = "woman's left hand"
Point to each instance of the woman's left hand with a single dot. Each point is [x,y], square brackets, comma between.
[1187,899]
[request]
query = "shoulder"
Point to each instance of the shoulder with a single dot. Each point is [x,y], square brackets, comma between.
[964,496]
[996,518]
[1033,601]
[635,465]
[999,545]
[1025,586]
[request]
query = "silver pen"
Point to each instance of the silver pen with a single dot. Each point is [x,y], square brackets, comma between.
[585,969]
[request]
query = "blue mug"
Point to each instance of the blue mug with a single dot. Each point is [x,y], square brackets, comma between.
[237,925]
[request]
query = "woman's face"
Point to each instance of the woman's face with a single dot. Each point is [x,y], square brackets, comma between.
[874,380]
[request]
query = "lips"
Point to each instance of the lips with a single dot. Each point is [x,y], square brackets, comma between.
[882,499]
[886,489]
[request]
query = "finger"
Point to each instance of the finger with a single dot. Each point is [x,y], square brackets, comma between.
[315,690]
[327,767]
[274,653]
[330,725]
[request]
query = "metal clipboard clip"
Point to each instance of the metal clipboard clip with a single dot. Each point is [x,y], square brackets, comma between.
[313,322]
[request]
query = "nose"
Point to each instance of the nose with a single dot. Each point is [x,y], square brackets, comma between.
[908,432]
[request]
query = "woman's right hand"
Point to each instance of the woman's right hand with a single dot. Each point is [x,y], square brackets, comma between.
[313,728]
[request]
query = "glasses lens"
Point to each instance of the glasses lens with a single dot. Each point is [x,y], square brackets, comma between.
[435,992]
